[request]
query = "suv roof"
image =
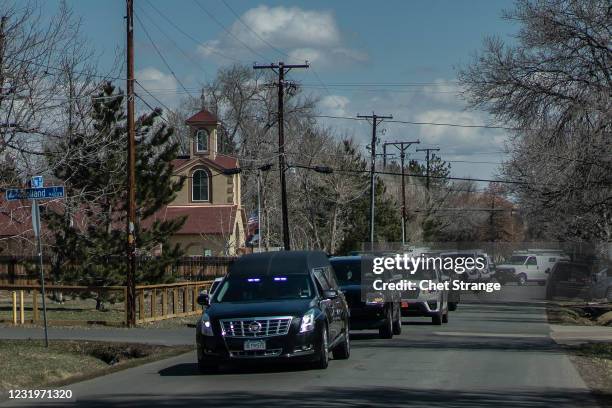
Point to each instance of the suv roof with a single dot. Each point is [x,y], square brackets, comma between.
[285,262]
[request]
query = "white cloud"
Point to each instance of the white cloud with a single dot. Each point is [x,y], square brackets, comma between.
[160,84]
[306,35]
[459,140]
[334,105]
[433,104]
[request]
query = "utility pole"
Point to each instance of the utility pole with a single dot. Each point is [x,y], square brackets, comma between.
[428,150]
[281,69]
[375,120]
[2,47]
[130,300]
[402,147]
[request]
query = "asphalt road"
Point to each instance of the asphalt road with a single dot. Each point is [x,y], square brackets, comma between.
[495,351]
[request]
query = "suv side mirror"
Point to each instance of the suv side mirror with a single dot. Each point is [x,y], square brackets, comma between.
[330,294]
[203,299]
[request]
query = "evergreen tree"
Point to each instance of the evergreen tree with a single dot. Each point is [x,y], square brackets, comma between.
[89,232]
[387,221]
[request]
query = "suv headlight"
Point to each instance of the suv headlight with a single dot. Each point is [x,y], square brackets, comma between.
[308,321]
[207,329]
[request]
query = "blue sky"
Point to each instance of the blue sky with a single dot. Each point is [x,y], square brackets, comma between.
[347,42]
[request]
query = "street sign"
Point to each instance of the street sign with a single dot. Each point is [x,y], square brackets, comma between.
[34,193]
[37,182]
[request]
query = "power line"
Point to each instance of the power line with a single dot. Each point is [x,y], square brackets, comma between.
[278,50]
[153,96]
[185,54]
[161,56]
[149,106]
[407,122]
[213,18]
[189,36]
[47,66]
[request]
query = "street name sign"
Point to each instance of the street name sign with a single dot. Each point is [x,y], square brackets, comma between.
[34,193]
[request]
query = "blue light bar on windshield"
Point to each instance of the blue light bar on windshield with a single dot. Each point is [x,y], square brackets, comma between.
[280,278]
[253,280]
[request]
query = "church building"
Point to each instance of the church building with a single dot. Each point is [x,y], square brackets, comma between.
[210,199]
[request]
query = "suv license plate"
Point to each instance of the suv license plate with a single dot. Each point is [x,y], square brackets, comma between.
[251,345]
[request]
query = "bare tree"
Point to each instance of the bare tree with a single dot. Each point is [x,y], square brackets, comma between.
[554,87]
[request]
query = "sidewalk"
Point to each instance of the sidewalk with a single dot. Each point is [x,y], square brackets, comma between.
[572,335]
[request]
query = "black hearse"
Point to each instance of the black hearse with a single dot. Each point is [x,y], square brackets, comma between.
[274,306]
[375,312]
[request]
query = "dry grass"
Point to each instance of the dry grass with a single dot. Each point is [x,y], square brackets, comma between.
[580,314]
[28,364]
[594,363]
[73,309]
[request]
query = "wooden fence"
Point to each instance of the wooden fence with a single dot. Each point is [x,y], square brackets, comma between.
[22,304]
[159,302]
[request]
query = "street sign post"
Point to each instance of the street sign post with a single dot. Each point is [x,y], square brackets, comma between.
[35,193]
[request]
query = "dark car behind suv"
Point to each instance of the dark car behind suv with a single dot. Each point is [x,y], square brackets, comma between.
[579,280]
[377,312]
[274,306]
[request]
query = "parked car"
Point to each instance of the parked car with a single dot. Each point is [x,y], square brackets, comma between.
[429,303]
[578,280]
[523,267]
[274,306]
[376,312]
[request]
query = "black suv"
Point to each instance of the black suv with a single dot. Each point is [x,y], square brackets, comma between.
[376,312]
[274,306]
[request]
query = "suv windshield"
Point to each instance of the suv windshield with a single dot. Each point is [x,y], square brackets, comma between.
[262,288]
[517,260]
[347,272]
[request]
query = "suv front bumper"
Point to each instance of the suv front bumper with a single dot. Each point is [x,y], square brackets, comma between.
[292,346]
[428,308]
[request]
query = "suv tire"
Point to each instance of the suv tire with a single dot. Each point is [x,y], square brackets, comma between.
[343,350]
[323,360]
[397,325]
[386,332]
[437,319]
[522,279]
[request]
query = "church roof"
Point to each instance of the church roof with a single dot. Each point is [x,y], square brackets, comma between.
[203,117]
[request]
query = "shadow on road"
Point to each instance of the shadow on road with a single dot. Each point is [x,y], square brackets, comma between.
[355,397]
[191,369]
[448,343]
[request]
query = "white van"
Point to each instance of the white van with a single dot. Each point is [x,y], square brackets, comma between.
[528,266]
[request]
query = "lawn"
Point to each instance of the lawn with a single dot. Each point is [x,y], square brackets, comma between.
[27,364]
[73,310]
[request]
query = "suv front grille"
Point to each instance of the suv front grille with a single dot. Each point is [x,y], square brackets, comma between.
[256,326]
[256,353]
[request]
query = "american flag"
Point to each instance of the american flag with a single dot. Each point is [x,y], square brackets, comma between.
[253,219]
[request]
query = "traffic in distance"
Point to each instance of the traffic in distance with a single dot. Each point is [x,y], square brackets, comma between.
[300,306]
